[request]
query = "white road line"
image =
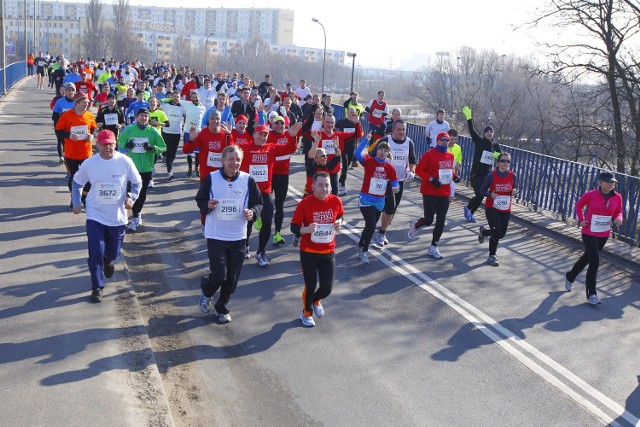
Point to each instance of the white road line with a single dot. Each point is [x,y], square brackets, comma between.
[508,341]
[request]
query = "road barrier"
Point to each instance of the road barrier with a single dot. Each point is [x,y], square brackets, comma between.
[11,74]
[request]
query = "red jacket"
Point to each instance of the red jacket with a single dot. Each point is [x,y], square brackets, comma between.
[436,165]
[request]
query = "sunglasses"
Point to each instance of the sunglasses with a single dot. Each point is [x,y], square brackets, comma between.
[445,139]
[505,161]
[321,155]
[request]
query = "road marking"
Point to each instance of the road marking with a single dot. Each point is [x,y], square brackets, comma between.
[502,336]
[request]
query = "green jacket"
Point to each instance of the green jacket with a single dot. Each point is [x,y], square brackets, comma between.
[144,160]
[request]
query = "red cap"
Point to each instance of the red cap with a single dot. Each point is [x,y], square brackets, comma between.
[105,137]
[442,135]
[242,117]
[261,128]
[80,96]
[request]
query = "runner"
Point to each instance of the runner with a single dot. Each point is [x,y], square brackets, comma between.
[107,203]
[76,126]
[143,142]
[319,164]
[377,109]
[258,160]
[378,173]
[110,117]
[210,142]
[229,199]
[280,179]
[346,125]
[436,170]
[595,211]
[171,134]
[62,105]
[315,222]
[499,186]
[41,65]
[194,111]
[435,127]
[403,155]
[484,155]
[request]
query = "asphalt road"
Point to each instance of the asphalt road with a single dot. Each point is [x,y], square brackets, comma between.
[406,340]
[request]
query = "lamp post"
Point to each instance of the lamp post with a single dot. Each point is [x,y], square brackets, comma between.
[353,66]
[324,52]
[206,51]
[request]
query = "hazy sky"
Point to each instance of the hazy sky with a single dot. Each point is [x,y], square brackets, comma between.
[381,33]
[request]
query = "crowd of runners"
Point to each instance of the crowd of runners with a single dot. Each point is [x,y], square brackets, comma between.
[238,136]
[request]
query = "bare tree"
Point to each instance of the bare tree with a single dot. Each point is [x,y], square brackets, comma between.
[123,44]
[94,35]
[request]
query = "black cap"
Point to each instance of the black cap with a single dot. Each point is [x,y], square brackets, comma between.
[607,177]
[142,110]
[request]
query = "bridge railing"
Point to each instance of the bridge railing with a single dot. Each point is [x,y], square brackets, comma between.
[12,73]
[546,184]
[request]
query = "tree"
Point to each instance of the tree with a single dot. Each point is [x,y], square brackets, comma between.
[94,35]
[124,46]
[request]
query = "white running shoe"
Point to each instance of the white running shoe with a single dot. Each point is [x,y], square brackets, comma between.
[150,184]
[434,252]
[568,285]
[411,234]
[133,225]
[342,190]
[205,303]
[224,318]
[378,239]
[262,260]
[493,261]
[307,320]
[318,310]
[594,300]
[364,256]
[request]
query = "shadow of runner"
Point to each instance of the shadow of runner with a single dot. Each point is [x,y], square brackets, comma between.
[632,403]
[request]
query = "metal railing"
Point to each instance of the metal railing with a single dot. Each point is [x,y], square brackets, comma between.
[12,73]
[546,184]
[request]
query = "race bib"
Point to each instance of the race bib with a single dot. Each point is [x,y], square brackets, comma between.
[110,119]
[138,145]
[349,130]
[229,209]
[445,176]
[377,186]
[214,160]
[259,172]
[502,203]
[600,223]
[328,146]
[324,234]
[107,193]
[81,131]
[377,113]
[487,157]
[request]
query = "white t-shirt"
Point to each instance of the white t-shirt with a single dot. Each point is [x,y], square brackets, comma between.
[434,128]
[105,201]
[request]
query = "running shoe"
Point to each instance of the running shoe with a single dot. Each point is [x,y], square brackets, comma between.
[247,254]
[189,173]
[364,256]
[262,260]
[198,173]
[278,239]
[307,320]
[594,300]
[342,190]
[493,261]
[133,225]
[481,234]
[61,161]
[434,252]
[205,303]
[150,184]
[411,234]
[473,219]
[378,239]
[96,295]
[258,223]
[170,177]
[318,310]
[568,285]
[467,214]
[295,242]
[224,318]
[108,269]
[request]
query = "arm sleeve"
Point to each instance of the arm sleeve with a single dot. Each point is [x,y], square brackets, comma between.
[358,153]
[255,198]
[474,135]
[202,196]
[486,184]
[412,153]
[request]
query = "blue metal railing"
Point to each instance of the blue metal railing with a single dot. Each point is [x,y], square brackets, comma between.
[14,72]
[546,183]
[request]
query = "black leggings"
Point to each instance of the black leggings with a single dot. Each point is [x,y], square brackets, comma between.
[280,185]
[333,179]
[498,224]
[267,217]
[371,216]
[476,200]
[142,197]
[592,247]
[72,168]
[172,140]
[225,263]
[391,199]
[60,145]
[434,206]
[316,266]
[347,158]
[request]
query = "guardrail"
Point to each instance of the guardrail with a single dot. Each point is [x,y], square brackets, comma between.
[546,184]
[12,74]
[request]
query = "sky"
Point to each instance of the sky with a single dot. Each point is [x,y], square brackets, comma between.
[383,34]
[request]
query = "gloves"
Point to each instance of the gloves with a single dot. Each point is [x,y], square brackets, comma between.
[429,140]
[467,112]
[129,145]
[436,182]
[411,175]
[148,147]
[456,179]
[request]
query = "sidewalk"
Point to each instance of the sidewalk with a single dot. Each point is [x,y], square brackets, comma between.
[64,361]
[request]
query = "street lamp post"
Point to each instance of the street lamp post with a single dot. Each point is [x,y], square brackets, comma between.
[206,51]
[324,52]
[353,66]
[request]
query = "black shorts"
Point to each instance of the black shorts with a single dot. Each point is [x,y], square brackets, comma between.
[40,71]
